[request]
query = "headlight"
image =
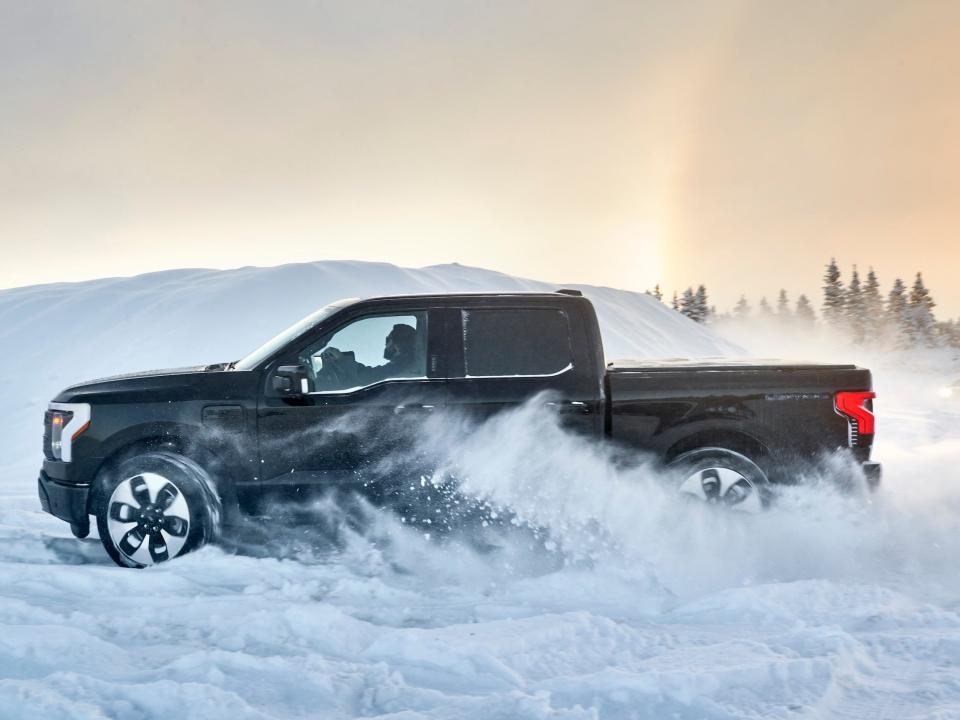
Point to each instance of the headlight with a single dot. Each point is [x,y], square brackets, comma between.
[58,420]
[66,421]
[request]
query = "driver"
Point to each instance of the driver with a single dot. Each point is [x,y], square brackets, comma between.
[399,351]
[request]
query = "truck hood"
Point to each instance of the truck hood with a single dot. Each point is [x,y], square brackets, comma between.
[174,384]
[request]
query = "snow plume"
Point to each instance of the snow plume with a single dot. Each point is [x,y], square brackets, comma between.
[592,504]
[519,496]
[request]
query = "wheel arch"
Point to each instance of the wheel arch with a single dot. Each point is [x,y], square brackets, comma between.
[726,438]
[175,439]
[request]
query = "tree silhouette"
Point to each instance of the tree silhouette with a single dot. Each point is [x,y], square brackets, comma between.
[833,295]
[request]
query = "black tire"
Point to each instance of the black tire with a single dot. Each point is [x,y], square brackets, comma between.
[154,507]
[709,473]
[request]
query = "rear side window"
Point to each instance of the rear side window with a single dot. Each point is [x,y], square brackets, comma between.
[513,341]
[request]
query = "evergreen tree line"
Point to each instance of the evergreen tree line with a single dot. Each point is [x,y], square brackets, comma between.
[903,317]
[801,314]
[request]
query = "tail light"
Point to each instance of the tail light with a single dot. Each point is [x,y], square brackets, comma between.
[857,407]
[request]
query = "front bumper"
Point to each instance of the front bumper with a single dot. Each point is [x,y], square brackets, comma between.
[66,501]
[872,472]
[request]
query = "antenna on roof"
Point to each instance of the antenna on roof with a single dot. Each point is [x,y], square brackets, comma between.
[569,291]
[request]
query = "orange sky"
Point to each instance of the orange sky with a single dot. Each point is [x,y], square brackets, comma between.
[739,144]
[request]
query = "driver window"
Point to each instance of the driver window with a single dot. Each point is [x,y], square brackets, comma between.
[369,350]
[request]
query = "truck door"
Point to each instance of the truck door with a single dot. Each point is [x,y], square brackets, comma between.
[504,353]
[361,416]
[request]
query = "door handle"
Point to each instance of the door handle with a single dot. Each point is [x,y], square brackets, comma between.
[412,406]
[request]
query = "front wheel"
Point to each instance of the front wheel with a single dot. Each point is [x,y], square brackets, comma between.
[722,477]
[154,507]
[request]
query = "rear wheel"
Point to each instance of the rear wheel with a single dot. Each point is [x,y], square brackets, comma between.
[722,477]
[154,507]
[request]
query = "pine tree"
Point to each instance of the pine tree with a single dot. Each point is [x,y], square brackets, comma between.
[658,293]
[765,310]
[949,333]
[895,316]
[701,305]
[783,306]
[872,308]
[687,301]
[833,295]
[919,295]
[853,311]
[675,303]
[741,311]
[804,314]
[921,324]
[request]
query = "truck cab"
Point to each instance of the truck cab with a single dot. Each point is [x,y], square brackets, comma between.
[473,355]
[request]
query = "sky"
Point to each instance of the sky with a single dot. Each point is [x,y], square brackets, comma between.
[736,144]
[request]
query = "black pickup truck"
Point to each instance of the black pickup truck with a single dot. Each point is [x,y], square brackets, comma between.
[162,458]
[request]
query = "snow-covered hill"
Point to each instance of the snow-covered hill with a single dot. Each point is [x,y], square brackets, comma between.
[55,335]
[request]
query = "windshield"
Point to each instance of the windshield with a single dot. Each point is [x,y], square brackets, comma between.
[298,328]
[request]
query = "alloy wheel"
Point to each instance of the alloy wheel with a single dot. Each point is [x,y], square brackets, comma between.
[723,486]
[148,519]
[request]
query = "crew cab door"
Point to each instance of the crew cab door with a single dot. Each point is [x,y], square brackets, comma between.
[503,353]
[347,430]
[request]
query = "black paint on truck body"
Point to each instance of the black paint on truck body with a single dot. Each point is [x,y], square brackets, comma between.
[254,439]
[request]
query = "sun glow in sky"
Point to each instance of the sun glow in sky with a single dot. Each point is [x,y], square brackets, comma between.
[740,144]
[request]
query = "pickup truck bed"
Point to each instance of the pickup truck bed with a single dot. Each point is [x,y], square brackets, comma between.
[780,413]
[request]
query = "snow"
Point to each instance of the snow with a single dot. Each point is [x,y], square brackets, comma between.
[625,602]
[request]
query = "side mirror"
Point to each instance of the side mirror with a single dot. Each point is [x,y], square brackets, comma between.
[290,380]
